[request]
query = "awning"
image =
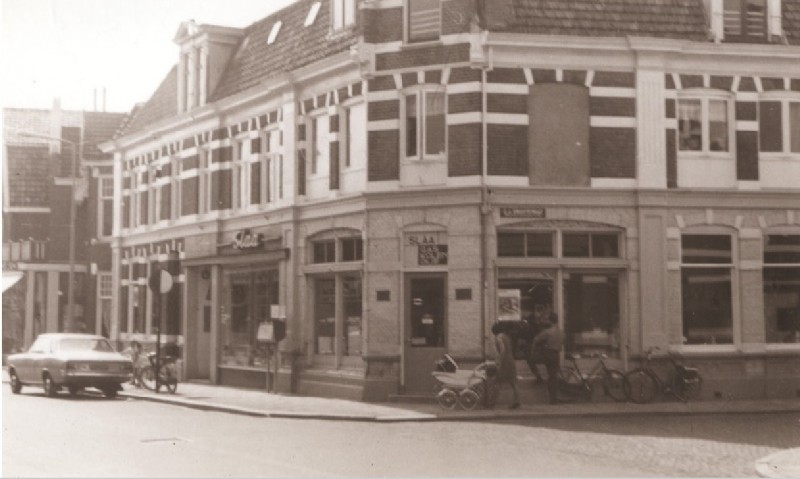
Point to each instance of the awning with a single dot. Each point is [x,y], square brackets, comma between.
[10,278]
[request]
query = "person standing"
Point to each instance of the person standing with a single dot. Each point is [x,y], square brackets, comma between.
[506,368]
[549,343]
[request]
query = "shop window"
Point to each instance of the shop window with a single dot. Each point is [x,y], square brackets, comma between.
[590,245]
[352,249]
[351,330]
[248,297]
[706,288]
[704,124]
[745,20]
[782,288]
[324,251]
[779,126]
[520,245]
[591,309]
[424,20]
[425,128]
[343,14]
[325,315]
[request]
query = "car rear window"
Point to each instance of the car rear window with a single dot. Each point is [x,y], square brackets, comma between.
[75,344]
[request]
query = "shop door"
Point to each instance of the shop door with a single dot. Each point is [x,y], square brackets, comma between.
[426,324]
[203,331]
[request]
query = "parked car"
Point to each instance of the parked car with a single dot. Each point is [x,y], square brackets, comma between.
[74,361]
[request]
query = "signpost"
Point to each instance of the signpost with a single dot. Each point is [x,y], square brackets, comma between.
[160,283]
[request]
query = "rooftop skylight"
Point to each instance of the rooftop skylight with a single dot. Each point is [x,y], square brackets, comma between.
[312,14]
[273,34]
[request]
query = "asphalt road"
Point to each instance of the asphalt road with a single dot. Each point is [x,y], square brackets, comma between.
[94,437]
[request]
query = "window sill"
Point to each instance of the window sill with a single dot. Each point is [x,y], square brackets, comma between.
[425,159]
[409,45]
[776,157]
[699,155]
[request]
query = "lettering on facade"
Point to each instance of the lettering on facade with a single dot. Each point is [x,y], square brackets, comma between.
[246,240]
[522,212]
[432,254]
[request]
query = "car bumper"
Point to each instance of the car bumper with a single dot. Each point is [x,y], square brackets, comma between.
[85,379]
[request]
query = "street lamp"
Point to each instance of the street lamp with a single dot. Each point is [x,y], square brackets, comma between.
[72,214]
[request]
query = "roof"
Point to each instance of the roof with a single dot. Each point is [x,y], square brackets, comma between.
[683,19]
[254,61]
[99,127]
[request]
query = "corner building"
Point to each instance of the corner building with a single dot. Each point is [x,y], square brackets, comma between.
[397,174]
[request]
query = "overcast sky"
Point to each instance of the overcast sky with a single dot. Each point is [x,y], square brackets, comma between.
[69,48]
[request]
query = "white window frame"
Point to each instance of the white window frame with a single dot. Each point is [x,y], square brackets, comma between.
[704,96]
[240,174]
[785,98]
[340,9]
[774,20]
[203,180]
[102,195]
[735,297]
[105,290]
[407,25]
[313,134]
[766,266]
[175,190]
[420,93]
[270,168]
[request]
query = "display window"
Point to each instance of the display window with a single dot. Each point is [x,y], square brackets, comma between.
[341,292]
[782,288]
[248,296]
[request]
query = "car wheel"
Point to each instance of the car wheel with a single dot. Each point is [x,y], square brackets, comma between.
[16,385]
[110,392]
[50,389]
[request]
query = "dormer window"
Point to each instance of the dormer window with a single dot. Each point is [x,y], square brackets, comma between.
[343,14]
[312,14]
[745,20]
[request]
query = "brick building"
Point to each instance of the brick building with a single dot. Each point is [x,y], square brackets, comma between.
[394,175]
[37,181]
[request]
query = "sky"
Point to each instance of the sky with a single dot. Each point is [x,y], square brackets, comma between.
[67,49]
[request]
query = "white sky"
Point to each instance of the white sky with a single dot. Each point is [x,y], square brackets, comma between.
[69,48]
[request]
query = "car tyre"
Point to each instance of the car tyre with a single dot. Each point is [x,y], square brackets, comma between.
[16,385]
[50,388]
[110,392]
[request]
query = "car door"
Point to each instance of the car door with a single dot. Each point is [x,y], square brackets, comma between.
[35,358]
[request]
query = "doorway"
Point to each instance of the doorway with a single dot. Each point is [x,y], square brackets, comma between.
[426,326]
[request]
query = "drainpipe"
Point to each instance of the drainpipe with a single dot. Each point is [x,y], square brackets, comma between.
[485,210]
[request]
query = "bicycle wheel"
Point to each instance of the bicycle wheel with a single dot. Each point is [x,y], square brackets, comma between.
[614,385]
[641,386]
[685,389]
[147,378]
[168,380]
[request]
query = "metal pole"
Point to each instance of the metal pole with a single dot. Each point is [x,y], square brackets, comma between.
[72,213]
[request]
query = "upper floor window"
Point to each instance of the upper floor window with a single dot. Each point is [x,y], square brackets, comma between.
[204,176]
[574,244]
[779,126]
[105,207]
[537,244]
[343,13]
[176,167]
[704,124]
[424,20]
[745,20]
[240,175]
[425,124]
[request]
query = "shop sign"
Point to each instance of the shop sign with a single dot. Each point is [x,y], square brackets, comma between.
[247,240]
[522,212]
[431,254]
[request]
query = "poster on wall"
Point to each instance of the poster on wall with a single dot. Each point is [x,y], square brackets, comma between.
[509,305]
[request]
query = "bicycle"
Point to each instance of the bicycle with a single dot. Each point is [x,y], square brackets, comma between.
[576,382]
[643,383]
[167,374]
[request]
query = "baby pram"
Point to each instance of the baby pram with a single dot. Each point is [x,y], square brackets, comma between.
[461,386]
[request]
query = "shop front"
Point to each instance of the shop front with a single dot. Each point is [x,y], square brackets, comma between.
[234,293]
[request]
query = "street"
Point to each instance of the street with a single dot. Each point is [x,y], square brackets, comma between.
[88,436]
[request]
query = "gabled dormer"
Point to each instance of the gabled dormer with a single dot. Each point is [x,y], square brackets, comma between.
[745,21]
[204,53]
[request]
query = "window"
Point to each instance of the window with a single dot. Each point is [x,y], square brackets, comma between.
[312,14]
[706,285]
[352,249]
[328,325]
[534,244]
[155,193]
[105,207]
[175,189]
[324,251]
[248,296]
[273,34]
[424,20]
[273,166]
[425,124]
[779,126]
[704,125]
[590,245]
[104,293]
[343,13]
[782,288]
[745,20]
[240,175]
[204,177]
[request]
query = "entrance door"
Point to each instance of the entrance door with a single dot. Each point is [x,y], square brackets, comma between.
[426,326]
[203,328]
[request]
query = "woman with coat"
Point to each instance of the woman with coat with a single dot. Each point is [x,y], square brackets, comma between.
[506,367]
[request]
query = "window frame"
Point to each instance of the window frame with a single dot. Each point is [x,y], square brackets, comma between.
[732,269]
[420,93]
[102,196]
[176,168]
[338,8]
[204,184]
[745,36]
[786,100]
[773,266]
[407,38]
[705,96]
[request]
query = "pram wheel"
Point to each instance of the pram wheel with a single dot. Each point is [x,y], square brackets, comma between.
[469,399]
[447,398]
